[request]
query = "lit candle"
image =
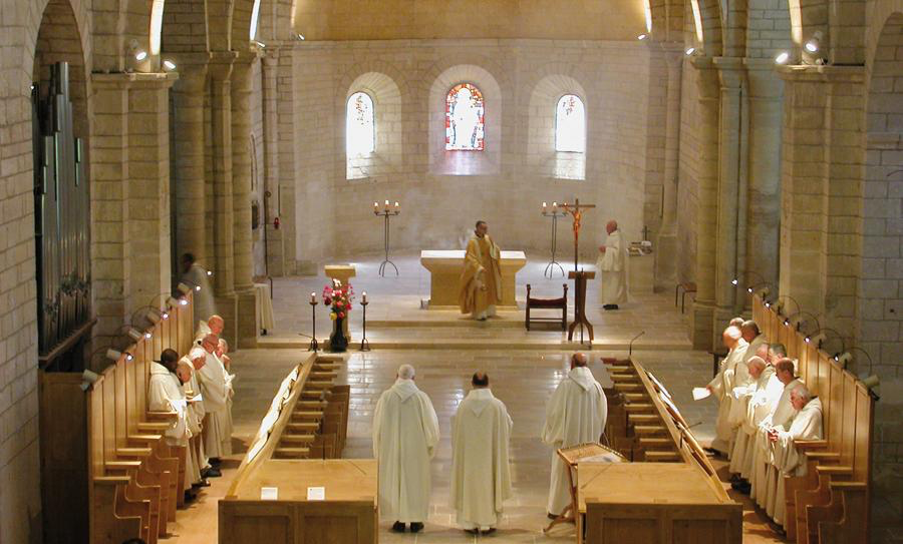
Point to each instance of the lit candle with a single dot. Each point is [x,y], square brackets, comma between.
[387,204]
[376,206]
[397,206]
[555,206]
[364,297]
[544,206]
[313,298]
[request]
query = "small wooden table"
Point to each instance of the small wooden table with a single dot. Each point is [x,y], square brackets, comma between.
[445,271]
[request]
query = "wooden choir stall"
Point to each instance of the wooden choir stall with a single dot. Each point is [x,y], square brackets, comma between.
[291,488]
[669,492]
[830,503]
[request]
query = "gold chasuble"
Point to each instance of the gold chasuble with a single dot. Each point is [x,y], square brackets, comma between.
[480,286]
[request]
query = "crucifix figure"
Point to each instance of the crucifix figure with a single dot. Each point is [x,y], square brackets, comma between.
[580,277]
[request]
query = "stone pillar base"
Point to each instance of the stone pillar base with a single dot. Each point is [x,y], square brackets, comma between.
[247,327]
[702,326]
[227,308]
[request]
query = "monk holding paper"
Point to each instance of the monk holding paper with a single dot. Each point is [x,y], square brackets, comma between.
[480,285]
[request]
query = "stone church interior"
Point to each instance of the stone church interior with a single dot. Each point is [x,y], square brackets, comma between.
[291,271]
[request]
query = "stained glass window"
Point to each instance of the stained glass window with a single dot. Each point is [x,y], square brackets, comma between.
[571,127]
[464,118]
[359,125]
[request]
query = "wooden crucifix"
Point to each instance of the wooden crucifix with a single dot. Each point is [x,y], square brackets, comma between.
[580,277]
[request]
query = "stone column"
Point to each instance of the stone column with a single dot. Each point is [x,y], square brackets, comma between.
[188,158]
[288,165]
[270,65]
[666,249]
[764,173]
[732,189]
[241,183]
[220,70]
[149,187]
[708,176]
[110,238]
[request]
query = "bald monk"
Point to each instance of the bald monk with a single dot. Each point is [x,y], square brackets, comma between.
[613,265]
[480,285]
[214,325]
[731,374]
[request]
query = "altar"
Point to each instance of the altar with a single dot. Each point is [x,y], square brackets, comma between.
[445,269]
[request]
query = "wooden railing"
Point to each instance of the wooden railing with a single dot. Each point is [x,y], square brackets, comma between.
[135,478]
[831,502]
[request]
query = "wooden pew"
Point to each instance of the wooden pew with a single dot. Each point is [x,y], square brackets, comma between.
[349,512]
[831,502]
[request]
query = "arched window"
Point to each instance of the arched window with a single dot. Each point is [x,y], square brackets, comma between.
[359,125]
[571,129]
[464,118]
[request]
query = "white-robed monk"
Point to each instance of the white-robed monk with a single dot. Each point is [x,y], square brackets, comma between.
[481,480]
[613,266]
[786,460]
[731,374]
[576,414]
[197,460]
[405,434]
[221,353]
[196,276]
[165,394]
[758,400]
[779,419]
[215,391]
[213,325]
[480,284]
[751,334]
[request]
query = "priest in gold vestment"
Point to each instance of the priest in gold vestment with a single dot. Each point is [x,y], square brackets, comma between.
[480,286]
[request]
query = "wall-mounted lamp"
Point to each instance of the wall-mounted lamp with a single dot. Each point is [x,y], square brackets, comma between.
[169,65]
[812,45]
[782,57]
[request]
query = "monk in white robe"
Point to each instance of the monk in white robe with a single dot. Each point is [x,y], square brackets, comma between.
[165,394]
[196,461]
[731,374]
[807,425]
[212,325]
[215,391]
[751,334]
[196,277]
[405,434]
[613,266]
[758,401]
[480,284]
[221,353]
[778,420]
[576,414]
[481,479]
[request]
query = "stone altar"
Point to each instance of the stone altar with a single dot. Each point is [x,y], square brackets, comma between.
[445,269]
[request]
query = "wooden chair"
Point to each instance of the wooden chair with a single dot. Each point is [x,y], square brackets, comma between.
[547,304]
[582,453]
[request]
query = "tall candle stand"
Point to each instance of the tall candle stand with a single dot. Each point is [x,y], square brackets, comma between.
[365,345]
[386,213]
[313,346]
[555,214]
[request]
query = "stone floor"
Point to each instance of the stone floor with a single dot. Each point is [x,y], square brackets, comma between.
[446,349]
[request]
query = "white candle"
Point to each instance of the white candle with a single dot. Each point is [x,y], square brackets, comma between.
[376,205]
[396,205]
[544,206]
[387,204]
[555,206]
[313,297]
[364,297]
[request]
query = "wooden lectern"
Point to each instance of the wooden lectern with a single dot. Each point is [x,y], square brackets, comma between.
[580,278]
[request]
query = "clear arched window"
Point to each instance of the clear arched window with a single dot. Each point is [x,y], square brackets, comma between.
[571,128]
[464,118]
[359,124]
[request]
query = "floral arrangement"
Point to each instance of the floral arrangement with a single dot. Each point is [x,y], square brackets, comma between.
[339,299]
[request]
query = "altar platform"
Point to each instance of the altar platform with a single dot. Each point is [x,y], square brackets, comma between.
[397,317]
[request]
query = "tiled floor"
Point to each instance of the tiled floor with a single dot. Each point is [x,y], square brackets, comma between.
[523,367]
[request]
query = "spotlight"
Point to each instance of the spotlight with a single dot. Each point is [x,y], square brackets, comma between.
[169,65]
[154,316]
[786,322]
[642,37]
[844,358]
[734,282]
[690,51]
[164,315]
[262,45]
[209,273]
[812,44]
[141,55]
[299,37]
[782,57]
[197,288]
[871,381]
[88,379]
[113,355]
[183,288]
[172,302]
[137,335]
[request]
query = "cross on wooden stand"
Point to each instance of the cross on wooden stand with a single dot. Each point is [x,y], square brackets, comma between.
[580,276]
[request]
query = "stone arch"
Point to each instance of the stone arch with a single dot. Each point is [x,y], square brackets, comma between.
[541,151]
[276,21]
[769,29]
[184,28]
[241,23]
[465,163]
[709,13]
[219,24]
[388,120]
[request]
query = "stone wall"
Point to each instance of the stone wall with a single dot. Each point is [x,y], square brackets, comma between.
[687,177]
[522,81]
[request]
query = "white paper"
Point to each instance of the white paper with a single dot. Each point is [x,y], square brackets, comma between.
[316,493]
[269,493]
[701,393]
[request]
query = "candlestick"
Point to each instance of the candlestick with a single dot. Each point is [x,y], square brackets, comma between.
[364,297]
[365,345]
[376,206]
[313,297]
[387,204]
[555,214]
[314,345]
[386,213]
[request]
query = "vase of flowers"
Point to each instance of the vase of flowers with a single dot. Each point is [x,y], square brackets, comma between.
[339,298]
